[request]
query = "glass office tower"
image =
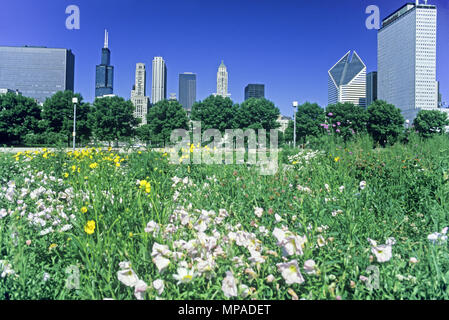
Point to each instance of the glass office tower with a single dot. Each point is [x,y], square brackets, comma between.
[187,89]
[37,72]
[255,91]
[104,76]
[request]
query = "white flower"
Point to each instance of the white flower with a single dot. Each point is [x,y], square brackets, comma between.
[438,238]
[161,262]
[184,275]
[244,291]
[256,257]
[290,272]
[229,285]
[336,212]
[159,249]
[151,227]
[3,213]
[159,286]
[258,212]
[293,245]
[128,277]
[321,242]
[66,227]
[341,189]
[382,252]
[139,290]
[46,231]
[309,267]
[362,185]
[125,265]
[278,218]
[46,277]
[6,268]
[270,278]
[326,186]
[279,235]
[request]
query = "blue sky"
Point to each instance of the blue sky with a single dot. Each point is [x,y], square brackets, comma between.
[288,45]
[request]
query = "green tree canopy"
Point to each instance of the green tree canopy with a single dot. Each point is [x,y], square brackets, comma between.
[430,122]
[257,114]
[215,112]
[19,116]
[112,119]
[347,119]
[164,117]
[57,114]
[385,122]
[309,118]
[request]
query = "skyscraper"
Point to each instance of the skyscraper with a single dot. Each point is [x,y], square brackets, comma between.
[407,58]
[371,88]
[104,79]
[187,89]
[347,81]
[37,72]
[159,84]
[138,94]
[255,91]
[222,81]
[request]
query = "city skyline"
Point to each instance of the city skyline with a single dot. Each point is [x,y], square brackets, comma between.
[299,75]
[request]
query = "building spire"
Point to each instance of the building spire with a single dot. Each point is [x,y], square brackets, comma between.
[106,39]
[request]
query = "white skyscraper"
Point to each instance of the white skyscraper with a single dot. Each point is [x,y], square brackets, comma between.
[407,59]
[159,84]
[138,94]
[347,81]
[222,81]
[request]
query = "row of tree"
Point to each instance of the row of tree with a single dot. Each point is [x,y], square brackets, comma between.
[383,121]
[111,119]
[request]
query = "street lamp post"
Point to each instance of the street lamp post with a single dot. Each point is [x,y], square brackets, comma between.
[295,106]
[75,102]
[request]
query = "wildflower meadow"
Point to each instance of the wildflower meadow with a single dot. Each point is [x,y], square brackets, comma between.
[337,221]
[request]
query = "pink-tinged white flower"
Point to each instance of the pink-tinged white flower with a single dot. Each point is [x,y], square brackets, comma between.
[290,272]
[258,212]
[205,266]
[278,218]
[244,291]
[270,278]
[159,286]
[413,260]
[184,275]
[3,213]
[362,185]
[256,257]
[229,285]
[279,235]
[128,277]
[293,245]
[139,290]
[161,262]
[363,278]
[159,249]
[310,267]
[382,252]
[202,224]
[152,227]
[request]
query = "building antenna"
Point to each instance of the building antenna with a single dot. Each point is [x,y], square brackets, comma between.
[106,39]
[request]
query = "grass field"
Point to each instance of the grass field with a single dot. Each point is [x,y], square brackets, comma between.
[335,222]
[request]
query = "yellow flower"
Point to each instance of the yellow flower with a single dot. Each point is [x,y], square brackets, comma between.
[93,165]
[73,168]
[89,228]
[83,210]
[66,175]
[145,185]
[337,159]
[52,246]
[131,234]
[117,164]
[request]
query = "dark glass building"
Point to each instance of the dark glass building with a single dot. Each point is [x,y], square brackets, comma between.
[37,72]
[255,91]
[104,75]
[371,88]
[187,90]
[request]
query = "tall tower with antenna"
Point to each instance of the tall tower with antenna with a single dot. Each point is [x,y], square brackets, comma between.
[104,76]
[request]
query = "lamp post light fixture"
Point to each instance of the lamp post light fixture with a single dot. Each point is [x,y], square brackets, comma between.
[295,106]
[75,102]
